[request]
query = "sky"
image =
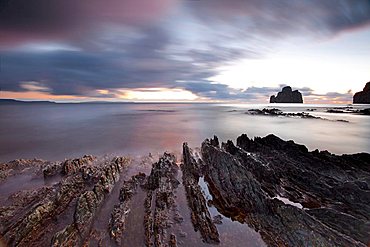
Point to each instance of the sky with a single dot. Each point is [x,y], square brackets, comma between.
[183,50]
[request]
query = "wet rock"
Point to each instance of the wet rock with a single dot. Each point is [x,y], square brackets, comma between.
[245,179]
[274,112]
[52,170]
[173,241]
[160,201]
[365,111]
[31,225]
[217,219]
[287,95]
[290,196]
[18,166]
[31,217]
[87,206]
[362,97]
[73,165]
[117,222]
[200,216]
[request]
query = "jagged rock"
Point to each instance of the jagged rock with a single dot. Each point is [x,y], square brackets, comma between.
[287,96]
[200,216]
[217,219]
[31,217]
[52,170]
[73,165]
[246,182]
[87,205]
[287,194]
[117,222]
[365,111]
[18,166]
[274,112]
[160,201]
[362,97]
[28,228]
[173,241]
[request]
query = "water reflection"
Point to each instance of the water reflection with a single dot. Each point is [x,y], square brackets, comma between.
[57,131]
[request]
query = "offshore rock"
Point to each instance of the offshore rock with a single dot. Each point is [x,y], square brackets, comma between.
[287,95]
[362,97]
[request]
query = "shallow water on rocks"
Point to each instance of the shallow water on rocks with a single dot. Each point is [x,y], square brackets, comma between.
[232,233]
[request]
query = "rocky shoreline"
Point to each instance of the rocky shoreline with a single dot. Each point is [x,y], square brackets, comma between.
[278,191]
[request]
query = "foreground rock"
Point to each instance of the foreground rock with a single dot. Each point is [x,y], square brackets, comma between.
[118,219]
[287,95]
[32,217]
[259,181]
[200,215]
[160,202]
[362,97]
[87,206]
[279,192]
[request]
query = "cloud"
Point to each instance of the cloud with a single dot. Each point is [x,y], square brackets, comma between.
[79,47]
[34,86]
[224,92]
[279,18]
[21,20]
[332,97]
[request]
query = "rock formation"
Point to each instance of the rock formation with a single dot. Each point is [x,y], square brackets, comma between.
[200,215]
[287,96]
[284,194]
[247,182]
[362,97]
[160,202]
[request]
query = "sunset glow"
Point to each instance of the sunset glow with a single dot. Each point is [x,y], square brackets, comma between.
[185,50]
[158,94]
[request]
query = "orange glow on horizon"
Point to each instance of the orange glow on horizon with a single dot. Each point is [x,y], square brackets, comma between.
[157,94]
[35,95]
[148,95]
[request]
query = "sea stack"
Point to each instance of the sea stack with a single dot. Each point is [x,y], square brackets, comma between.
[362,97]
[287,95]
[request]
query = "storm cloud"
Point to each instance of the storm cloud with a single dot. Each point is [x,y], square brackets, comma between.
[78,47]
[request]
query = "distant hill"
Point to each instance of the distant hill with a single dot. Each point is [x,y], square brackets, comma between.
[13,101]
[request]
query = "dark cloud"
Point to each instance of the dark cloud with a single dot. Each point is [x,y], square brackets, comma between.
[284,17]
[138,44]
[22,20]
[334,96]
[224,92]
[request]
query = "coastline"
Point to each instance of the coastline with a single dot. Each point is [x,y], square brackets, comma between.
[255,186]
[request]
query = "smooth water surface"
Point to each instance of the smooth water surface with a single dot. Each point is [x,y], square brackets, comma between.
[58,131]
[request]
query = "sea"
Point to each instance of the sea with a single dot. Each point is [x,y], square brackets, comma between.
[56,131]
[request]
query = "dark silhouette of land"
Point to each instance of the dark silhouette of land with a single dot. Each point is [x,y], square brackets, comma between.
[287,95]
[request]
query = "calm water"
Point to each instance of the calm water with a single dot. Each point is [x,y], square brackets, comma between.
[58,131]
